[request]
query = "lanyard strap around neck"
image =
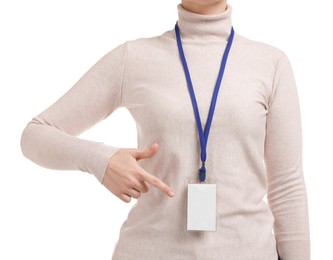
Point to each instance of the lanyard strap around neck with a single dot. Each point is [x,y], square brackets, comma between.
[203,136]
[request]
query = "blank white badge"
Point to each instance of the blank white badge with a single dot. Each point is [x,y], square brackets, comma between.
[201,207]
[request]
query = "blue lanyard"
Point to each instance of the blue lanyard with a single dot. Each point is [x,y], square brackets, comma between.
[203,136]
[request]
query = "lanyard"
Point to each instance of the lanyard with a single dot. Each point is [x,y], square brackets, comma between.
[203,136]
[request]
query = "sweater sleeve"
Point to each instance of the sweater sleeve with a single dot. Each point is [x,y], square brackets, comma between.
[51,139]
[286,193]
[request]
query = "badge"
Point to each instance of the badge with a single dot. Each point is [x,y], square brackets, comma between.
[201,206]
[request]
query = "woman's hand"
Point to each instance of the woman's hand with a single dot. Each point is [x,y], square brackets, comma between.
[125,178]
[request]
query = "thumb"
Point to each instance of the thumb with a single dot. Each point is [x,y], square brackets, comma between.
[144,154]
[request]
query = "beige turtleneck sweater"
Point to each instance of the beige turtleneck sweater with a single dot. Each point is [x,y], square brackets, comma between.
[254,147]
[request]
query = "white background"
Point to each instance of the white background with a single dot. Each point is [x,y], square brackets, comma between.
[46,46]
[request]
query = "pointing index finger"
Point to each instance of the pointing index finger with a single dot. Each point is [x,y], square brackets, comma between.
[158,184]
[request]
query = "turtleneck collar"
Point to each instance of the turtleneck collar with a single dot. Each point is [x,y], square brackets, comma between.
[204,26]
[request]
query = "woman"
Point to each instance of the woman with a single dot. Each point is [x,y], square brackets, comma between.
[255,141]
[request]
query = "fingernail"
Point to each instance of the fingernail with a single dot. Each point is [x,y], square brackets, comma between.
[171,194]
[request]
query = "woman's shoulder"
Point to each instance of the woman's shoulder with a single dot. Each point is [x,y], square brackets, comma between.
[145,47]
[258,48]
[166,36]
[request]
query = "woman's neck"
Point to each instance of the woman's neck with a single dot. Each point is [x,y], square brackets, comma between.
[204,27]
[210,8]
